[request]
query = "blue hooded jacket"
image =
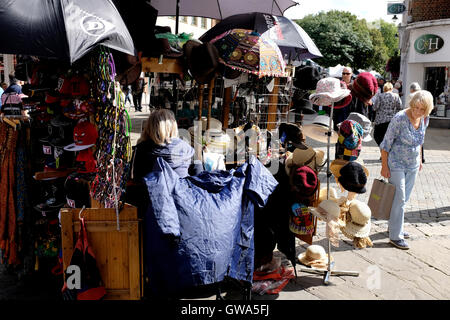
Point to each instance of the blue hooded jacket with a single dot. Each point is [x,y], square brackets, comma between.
[200,229]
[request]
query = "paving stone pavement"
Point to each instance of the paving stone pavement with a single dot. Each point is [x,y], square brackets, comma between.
[385,273]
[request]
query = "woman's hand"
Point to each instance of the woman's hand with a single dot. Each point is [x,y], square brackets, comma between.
[385,172]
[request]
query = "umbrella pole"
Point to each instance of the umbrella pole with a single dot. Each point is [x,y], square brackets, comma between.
[177,17]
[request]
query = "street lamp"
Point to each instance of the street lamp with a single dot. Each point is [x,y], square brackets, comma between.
[394,18]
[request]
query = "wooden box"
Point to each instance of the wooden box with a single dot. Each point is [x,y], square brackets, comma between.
[118,252]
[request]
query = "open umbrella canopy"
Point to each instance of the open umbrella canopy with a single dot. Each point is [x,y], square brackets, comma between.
[246,51]
[65,29]
[295,44]
[219,9]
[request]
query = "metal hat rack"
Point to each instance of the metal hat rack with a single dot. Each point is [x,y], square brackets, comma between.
[329,272]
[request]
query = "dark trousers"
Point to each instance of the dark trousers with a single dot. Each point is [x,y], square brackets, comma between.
[379,131]
[137,98]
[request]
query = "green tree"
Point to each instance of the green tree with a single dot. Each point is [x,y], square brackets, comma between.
[389,33]
[377,60]
[345,39]
[340,37]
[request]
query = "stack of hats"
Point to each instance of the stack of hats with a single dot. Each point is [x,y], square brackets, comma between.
[357,224]
[85,136]
[348,146]
[329,211]
[314,257]
[319,128]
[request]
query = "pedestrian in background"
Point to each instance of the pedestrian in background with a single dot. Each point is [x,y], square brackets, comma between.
[138,89]
[400,154]
[347,74]
[128,96]
[386,105]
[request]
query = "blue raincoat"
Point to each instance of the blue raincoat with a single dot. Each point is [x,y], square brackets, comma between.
[200,229]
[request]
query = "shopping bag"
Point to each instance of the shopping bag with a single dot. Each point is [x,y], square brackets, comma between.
[381,198]
[92,287]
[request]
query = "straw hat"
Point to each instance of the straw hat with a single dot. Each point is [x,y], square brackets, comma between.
[315,257]
[318,130]
[309,157]
[323,194]
[359,224]
[326,210]
[328,91]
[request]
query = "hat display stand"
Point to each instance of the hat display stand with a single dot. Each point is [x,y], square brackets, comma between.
[329,272]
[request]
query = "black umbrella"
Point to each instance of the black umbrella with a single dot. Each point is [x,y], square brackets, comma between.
[294,42]
[65,29]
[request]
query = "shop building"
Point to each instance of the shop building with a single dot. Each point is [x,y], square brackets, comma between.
[425,53]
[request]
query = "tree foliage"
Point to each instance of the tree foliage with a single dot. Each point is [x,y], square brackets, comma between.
[344,39]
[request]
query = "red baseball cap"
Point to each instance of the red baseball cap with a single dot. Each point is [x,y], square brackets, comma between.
[86,162]
[84,136]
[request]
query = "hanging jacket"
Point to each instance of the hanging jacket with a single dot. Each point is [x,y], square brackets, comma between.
[200,229]
[178,154]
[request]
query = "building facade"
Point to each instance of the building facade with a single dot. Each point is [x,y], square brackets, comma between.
[196,26]
[425,51]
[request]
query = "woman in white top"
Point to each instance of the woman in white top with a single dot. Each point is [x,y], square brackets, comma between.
[386,106]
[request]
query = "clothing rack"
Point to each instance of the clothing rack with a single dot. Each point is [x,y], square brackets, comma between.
[329,272]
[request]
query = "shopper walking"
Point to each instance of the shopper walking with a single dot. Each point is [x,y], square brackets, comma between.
[400,154]
[138,88]
[386,105]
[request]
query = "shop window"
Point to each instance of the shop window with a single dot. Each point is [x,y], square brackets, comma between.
[194,21]
[184,19]
[436,83]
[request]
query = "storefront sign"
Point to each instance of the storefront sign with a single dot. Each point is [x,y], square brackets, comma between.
[428,43]
[396,8]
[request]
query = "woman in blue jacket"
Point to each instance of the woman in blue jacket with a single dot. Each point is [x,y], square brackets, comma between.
[160,139]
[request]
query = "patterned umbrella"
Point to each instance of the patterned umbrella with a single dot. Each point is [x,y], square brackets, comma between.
[245,50]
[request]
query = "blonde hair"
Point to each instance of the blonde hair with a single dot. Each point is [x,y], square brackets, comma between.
[422,98]
[160,127]
[387,87]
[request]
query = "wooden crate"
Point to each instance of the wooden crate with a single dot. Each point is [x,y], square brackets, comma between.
[118,252]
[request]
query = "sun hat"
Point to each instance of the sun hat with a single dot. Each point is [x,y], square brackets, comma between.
[318,129]
[84,136]
[365,86]
[353,177]
[308,157]
[326,210]
[358,220]
[323,194]
[345,101]
[328,91]
[306,77]
[202,60]
[314,256]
